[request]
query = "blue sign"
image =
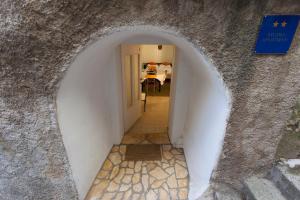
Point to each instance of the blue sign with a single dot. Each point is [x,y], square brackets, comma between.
[276,34]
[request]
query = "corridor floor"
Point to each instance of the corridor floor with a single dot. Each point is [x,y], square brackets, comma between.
[144,180]
[152,127]
[141,180]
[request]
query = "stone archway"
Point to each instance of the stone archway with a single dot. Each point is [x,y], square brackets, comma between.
[39,39]
[90,115]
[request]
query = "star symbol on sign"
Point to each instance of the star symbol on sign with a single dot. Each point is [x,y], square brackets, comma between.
[283,24]
[275,23]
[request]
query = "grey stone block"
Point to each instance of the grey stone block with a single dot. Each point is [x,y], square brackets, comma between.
[225,192]
[262,189]
[287,180]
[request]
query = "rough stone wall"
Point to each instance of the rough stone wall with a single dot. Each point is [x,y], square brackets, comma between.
[38,37]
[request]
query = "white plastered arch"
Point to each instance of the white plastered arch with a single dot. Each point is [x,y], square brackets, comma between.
[89,106]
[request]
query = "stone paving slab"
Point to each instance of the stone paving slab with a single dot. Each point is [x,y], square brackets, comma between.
[145,180]
[292,175]
[287,180]
[262,189]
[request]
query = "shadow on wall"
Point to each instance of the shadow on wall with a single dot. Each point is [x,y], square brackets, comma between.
[89,106]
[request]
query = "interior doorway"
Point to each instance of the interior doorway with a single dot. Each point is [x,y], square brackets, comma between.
[147,74]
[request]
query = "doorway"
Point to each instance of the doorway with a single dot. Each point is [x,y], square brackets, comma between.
[147,73]
[90,107]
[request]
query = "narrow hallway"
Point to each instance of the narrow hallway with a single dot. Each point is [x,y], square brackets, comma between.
[145,166]
[152,127]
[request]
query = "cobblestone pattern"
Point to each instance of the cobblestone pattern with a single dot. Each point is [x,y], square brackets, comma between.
[148,180]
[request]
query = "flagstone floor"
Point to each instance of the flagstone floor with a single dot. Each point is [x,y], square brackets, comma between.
[142,180]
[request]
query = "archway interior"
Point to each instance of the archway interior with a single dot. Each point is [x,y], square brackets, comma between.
[89,107]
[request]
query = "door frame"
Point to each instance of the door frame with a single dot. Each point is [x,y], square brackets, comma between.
[172,86]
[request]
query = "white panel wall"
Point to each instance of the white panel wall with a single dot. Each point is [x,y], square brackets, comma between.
[132,112]
[150,53]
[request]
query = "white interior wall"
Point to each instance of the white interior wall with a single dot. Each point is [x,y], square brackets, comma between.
[87,102]
[89,107]
[180,92]
[200,111]
[150,53]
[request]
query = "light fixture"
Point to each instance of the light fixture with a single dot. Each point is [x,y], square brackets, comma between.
[159,47]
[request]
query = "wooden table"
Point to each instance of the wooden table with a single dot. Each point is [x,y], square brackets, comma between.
[151,76]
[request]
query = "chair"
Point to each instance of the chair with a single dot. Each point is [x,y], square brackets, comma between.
[152,82]
[144,98]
